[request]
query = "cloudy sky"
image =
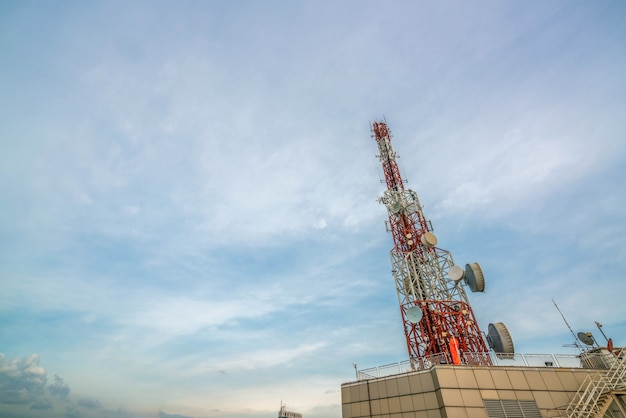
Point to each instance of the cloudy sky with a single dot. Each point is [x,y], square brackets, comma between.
[188,217]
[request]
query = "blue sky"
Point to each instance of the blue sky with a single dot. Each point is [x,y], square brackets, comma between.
[189,224]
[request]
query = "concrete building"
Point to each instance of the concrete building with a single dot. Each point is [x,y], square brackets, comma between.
[283,413]
[590,385]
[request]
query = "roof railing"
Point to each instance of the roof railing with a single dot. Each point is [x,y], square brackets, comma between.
[573,361]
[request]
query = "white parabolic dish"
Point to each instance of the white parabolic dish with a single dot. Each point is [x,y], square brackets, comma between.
[429,239]
[414,314]
[456,273]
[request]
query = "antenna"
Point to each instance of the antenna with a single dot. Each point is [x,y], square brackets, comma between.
[500,340]
[474,277]
[414,314]
[599,325]
[586,338]
[456,273]
[570,328]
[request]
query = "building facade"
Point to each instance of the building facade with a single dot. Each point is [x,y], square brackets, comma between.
[458,391]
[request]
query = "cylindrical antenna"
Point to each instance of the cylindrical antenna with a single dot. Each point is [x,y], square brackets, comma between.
[599,325]
[570,328]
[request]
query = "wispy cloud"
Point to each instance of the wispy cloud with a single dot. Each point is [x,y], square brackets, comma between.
[189,219]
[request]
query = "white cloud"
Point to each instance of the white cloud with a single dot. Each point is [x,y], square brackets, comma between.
[181,198]
[59,389]
[23,385]
[89,403]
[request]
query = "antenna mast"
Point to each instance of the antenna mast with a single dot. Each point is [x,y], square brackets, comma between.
[570,328]
[438,321]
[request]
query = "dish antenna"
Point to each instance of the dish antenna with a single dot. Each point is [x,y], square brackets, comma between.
[499,339]
[456,273]
[429,239]
[586,338]
[474,277]
[414,314]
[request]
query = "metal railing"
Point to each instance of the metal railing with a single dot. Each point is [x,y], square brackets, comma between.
[593,397]
[521,360]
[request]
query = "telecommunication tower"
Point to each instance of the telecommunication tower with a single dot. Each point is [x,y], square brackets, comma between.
[438,321]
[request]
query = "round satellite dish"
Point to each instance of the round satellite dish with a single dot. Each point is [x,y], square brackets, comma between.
[456,273]
[414,314]
[429,239]
[395,207]
[586,337]
[499,339]
[474,277]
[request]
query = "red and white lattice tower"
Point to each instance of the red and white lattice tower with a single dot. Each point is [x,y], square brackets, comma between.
[438,321]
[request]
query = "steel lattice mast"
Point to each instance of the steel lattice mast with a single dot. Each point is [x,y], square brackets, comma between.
[438,321]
